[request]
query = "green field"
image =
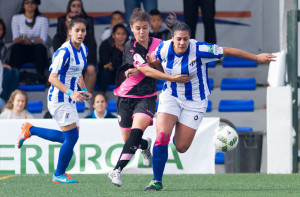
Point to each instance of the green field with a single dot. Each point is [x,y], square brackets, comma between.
[174,185]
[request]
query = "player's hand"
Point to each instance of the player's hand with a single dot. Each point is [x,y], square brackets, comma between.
[86,95]
[181,78]
[131,72]
[265,58]
[77,96]
[152,61]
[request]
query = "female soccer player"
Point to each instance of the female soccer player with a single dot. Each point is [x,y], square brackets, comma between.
[66,72]
[182,105]
[136,101]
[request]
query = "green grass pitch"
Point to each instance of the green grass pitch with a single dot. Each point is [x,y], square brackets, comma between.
[174,185]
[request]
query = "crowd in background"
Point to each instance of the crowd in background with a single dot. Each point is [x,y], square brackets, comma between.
[31,43]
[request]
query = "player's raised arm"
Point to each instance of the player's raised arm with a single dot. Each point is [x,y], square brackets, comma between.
[261,58]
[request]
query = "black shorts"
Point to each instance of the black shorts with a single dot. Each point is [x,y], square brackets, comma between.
[127,107]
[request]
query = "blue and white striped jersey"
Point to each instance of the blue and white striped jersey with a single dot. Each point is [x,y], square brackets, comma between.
[192,62]
[68,62]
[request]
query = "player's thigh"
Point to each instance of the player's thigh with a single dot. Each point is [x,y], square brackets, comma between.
[125,112]
[65,114]
[186,128]
[183,137]
[143,112]
[169,111]
[165,123]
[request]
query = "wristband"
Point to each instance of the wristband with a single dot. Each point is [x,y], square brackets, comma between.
[84,89]
[69,92]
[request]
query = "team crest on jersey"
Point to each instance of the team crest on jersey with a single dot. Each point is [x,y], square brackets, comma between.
[192,63]
[72,59]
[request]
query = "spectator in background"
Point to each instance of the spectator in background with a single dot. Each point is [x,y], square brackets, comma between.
[15,107]
[75,7]
[30,31]
[7,10]
[116,18]
[111,54]
[130,5]
[158,29]
[190,9]
[99,102]
[9,76]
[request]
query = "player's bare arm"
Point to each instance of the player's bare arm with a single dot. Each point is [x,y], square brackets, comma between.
[261,58]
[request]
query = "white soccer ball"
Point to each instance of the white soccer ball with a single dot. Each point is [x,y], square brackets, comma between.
[225,138]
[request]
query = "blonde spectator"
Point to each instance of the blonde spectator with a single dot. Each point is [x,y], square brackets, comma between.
[15,107]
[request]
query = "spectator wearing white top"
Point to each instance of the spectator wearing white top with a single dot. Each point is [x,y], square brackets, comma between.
[30,31]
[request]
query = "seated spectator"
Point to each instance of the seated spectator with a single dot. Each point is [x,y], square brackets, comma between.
[15,107]
[99,107]
[158,29]
[116,18]
[9,76]
[111,54]
[30,32]
[75,7]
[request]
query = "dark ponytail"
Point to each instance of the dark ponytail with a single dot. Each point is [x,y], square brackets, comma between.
[76,19]
[175,25]
[139,15]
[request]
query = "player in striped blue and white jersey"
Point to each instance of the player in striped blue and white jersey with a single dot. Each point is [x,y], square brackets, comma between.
[193,63]
[65,77]
[182,105]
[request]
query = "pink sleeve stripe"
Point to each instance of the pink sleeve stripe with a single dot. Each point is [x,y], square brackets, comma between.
[118,92]
[155,43]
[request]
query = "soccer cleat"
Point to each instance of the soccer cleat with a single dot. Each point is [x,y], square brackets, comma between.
[25,133]
[64,178]
[147,157]
[115,177]
[154,186]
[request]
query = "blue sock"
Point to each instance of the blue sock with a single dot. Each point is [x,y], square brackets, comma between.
[48,134]
[66,151]
[159,159]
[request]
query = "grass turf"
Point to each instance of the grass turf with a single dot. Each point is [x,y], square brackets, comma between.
[174,185]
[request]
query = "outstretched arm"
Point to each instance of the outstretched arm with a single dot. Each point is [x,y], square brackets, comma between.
[261,58]
[156,74]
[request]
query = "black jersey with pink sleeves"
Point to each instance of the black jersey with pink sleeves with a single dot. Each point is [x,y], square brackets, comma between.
[139,86]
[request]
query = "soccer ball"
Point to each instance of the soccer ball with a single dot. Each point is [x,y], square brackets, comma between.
[225,138]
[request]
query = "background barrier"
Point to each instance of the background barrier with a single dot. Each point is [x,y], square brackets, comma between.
[97,150]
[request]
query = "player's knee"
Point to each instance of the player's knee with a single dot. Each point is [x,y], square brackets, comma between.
[90,69]
[162,139]
[181,149]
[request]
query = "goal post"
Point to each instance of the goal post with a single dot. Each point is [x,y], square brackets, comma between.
[292,75]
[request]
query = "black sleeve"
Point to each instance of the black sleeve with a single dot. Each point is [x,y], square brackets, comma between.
[89,26]
[105,53]
[117,56]
[127,56]
[90,41]
[61,28]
